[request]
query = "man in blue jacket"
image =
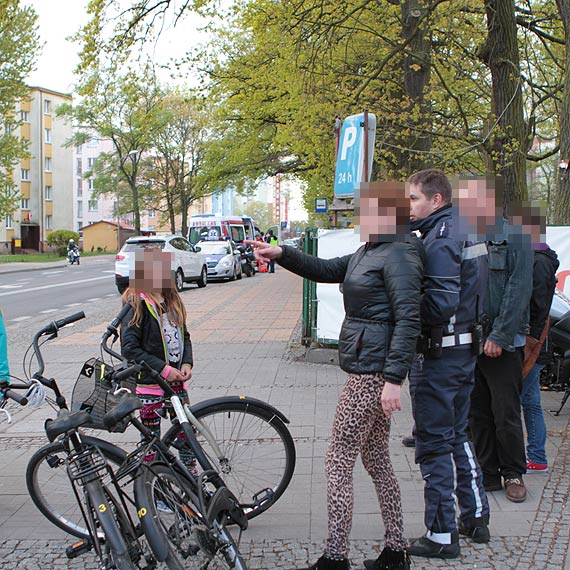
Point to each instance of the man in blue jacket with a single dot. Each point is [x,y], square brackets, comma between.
[495,416]
[442,376]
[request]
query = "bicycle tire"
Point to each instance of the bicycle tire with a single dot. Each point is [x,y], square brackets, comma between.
[258,449]
[175,528]
[52,493]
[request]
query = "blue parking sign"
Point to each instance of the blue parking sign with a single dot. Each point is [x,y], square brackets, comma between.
[350,159]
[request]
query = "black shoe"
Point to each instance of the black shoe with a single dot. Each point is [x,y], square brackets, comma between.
[324,563]
[389,560]
[409,441]
[478,534]
[427,548]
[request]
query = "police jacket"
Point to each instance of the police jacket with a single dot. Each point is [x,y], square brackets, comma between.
[146,342]
[381,284]
[455,274]
[509,285]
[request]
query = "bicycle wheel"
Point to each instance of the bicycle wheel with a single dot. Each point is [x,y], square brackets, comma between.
[174,527]
[51,490]
[258,453]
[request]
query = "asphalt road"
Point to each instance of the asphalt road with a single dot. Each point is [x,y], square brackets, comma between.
[56,291]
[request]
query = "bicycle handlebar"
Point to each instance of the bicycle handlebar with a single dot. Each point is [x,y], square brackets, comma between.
[54,326]
[112,331]
[8,391]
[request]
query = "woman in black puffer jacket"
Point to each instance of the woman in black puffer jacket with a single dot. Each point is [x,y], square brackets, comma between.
[381,285]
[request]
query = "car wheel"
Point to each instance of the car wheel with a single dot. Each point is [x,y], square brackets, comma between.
[233,276]
[203,281]
[240,274]
[122,288]
[179,278]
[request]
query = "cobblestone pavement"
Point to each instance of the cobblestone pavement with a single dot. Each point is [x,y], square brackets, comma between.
[245,343]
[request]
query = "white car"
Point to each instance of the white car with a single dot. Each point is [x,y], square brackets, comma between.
[224,261]
[188,264]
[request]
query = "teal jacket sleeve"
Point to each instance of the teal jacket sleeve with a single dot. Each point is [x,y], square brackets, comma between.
[4,368]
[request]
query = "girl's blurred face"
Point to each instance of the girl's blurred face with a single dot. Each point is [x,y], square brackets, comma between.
[153,272]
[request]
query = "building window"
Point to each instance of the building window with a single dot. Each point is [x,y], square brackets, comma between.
[79,208]
[25,116]
[93,205]
[79,225]
[25,203]
[47,106]
[48,135]
[79,167]
[90,163]
[47,164]
[152,213]
[79,187]
[79,149]
[49,219]
[47,193]
[8,222]
[24,174]
[91,184]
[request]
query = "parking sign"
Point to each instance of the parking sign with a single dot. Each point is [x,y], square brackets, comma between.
[350,159]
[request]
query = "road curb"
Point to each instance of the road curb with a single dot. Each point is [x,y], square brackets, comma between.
[27,269]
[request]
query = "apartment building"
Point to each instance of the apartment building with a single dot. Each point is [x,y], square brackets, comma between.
[45,179]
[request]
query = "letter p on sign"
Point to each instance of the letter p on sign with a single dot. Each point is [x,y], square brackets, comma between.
[350,135]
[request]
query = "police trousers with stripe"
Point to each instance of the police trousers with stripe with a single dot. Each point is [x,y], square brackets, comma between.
[441,392]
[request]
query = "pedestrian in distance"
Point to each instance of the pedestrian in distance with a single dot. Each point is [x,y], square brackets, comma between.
[495,415]
[545,264]
[381,284]
[442,374]
[274,242]
[155,331]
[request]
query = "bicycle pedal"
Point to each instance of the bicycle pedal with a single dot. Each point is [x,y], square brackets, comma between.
[78,549]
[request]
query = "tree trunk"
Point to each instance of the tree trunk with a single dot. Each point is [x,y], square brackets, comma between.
[510,138]
[416,69]
[562,201]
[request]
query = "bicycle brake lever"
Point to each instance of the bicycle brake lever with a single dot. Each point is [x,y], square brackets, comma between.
[8,415]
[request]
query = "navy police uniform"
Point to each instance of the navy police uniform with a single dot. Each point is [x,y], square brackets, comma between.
[442,377]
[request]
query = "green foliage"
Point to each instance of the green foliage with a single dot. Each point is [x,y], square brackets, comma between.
[19,46]
[60,239]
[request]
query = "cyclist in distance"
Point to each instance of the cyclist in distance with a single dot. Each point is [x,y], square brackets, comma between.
[155,331]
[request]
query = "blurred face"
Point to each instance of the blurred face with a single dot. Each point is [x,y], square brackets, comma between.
[153,272]
[420,205]
[381,211]
[476,205]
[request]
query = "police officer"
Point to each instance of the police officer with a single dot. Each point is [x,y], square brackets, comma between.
[442,376]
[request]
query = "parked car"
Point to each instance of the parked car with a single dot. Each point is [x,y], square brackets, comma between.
[223,259]
[294,242]
[188,264]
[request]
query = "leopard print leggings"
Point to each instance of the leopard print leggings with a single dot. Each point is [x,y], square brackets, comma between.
[360,426]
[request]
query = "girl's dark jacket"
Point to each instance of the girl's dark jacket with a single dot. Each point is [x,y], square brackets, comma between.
[146,342]
[381,287]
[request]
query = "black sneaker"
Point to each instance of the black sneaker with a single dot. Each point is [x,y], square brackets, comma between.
[389,560]
[409,441]
[478,534]
[427,548]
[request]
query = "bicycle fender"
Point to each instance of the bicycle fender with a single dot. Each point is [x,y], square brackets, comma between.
[254,403]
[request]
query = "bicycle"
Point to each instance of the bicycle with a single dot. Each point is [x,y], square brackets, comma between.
[52,457]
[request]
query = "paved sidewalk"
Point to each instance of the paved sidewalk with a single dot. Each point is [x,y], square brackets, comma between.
[245,336]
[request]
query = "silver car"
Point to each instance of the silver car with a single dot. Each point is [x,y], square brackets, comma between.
[224,261]
[188,264]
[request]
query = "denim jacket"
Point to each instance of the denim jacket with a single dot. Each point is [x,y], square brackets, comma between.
[4,368]
[509,287]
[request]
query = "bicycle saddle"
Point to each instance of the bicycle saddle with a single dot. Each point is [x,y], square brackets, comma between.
[126,406]
[65,422]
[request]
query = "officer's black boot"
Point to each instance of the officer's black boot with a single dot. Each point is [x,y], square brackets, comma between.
[324,563]
[476,529]
[389,560]
[427,548]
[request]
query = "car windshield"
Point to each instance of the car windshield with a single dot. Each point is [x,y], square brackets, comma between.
[205,232]
[214,248]
[150,244]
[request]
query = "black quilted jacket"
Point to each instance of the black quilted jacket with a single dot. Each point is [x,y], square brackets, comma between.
[381,285]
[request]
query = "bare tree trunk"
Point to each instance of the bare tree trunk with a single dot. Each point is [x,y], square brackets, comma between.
[416,68]
[561,213]
[510,139]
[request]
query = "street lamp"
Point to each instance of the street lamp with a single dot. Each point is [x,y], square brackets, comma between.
[130,153]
